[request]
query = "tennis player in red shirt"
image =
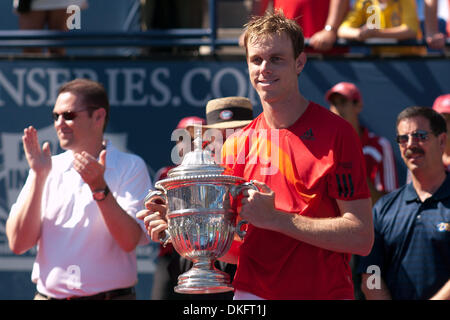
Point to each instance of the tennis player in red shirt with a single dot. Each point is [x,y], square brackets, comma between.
[313,208]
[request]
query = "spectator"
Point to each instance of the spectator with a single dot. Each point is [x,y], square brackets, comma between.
[79,207]
[38,14]
[306,216]
[319,20]
[442,106]
[346,101]
[412,224]
[222,114]
[383,19]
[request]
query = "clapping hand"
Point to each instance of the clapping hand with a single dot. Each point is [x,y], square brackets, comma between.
[39,160]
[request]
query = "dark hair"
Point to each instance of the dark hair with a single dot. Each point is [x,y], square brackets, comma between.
[436,120]
[92,94]
[275,23]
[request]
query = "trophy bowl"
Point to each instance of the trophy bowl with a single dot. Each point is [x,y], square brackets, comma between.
[201,213]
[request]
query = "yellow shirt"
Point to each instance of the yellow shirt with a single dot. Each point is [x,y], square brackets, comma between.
[393,13]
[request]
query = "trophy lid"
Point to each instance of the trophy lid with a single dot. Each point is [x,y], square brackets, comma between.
[197,162]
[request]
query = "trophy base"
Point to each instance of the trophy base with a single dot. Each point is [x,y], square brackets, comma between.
[200,281]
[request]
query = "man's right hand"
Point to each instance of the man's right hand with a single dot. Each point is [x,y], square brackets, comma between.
[39,160]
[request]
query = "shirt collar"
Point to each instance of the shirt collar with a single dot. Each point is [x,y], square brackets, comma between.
[441,193]
[444,190]
[411,194]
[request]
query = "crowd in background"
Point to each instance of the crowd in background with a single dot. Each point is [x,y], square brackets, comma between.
[323,21]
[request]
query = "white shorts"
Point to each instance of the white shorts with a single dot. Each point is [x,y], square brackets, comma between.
[244,295]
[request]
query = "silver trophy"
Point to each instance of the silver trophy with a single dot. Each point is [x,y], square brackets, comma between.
[201,213]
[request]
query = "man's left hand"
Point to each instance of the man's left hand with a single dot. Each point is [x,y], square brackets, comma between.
[91,170]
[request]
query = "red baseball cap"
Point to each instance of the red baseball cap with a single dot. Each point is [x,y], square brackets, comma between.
[442,103]
[347,89]
[190,121]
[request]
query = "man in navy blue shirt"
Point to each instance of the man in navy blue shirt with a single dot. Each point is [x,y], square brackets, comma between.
[410,258]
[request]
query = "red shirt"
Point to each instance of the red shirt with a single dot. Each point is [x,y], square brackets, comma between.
[308,165]
[380,161]
[311,15]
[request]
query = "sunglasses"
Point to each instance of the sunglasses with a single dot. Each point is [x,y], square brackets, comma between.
[418,136]
[67,116]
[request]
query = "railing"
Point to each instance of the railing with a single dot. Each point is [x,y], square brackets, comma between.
[168,37]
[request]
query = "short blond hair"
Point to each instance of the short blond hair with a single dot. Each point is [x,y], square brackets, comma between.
[275,24]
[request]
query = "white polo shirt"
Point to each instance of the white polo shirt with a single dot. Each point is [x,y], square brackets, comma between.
[76,253]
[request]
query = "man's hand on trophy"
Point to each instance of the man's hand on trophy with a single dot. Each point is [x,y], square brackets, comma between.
[154,217]
[154,224]
[258,207]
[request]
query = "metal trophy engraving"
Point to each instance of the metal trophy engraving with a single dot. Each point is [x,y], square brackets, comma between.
[201,213]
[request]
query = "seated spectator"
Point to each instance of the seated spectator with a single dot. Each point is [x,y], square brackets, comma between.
[171,14]
[319,20]
[39,14]
[384,19]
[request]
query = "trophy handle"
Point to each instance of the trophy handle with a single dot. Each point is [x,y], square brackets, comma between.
[241,233]
[156,196]
[246,185]
[159,197]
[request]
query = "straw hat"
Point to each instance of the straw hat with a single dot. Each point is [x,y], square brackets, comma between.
[228,113]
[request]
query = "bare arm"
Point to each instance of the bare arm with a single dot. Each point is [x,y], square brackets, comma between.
[123,228]
[363,33]
[352,232]
[433,37]
[402,32]
[324,39]
[24,226]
